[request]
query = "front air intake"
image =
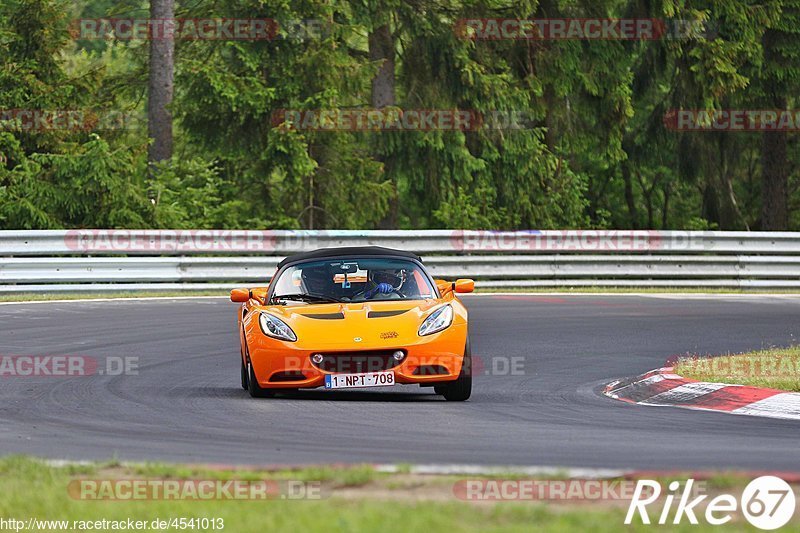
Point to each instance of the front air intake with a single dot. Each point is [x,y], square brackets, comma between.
[357,362]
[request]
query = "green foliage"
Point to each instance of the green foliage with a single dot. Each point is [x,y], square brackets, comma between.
[40,192]
[594,151]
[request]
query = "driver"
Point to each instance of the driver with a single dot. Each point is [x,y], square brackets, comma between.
[316,281]
[384,282]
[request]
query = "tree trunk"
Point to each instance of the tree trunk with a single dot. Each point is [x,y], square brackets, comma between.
[774,180]
[630,198]
[774,163]
[159,117]
[381,48]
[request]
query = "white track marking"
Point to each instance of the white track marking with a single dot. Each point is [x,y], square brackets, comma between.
[682,393]
[785,405]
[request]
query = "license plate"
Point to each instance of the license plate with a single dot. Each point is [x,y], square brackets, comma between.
[355,381]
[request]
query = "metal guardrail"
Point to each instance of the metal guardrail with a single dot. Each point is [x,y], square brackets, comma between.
[282,242]
[115,260]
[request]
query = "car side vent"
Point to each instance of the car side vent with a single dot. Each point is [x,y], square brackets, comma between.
[384,314]
[324,316]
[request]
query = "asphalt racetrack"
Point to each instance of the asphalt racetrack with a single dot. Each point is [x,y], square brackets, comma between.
[186,404]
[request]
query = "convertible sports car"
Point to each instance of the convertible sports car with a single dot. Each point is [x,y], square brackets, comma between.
[354,317]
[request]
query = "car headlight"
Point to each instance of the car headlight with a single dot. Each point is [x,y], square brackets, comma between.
[437,321]
[273,326]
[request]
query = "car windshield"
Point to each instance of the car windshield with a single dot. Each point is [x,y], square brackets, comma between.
[352,280]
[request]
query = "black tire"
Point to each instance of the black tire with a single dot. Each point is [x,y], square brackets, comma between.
[244,374]
[252,384]
[461,389]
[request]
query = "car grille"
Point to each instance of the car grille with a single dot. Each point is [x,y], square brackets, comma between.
[356,362]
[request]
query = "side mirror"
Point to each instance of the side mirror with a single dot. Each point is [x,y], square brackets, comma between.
[464,285]
[240,295]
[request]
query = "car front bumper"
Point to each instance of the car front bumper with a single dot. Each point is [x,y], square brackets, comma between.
[431,359]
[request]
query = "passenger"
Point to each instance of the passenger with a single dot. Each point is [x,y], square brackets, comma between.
[317,281]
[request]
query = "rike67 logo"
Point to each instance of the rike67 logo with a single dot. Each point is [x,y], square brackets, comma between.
[768,503]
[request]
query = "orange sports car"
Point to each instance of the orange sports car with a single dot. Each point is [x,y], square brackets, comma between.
[354,317]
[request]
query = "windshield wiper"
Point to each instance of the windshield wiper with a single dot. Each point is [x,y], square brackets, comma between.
[306,298]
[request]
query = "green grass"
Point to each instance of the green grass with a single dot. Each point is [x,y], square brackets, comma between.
[33,489]
[344,476]
[775,368]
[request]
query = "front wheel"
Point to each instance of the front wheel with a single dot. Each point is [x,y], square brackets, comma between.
[244,374]
[460,389]
[253,387]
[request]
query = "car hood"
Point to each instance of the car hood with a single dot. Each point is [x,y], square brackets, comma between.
[362,325]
